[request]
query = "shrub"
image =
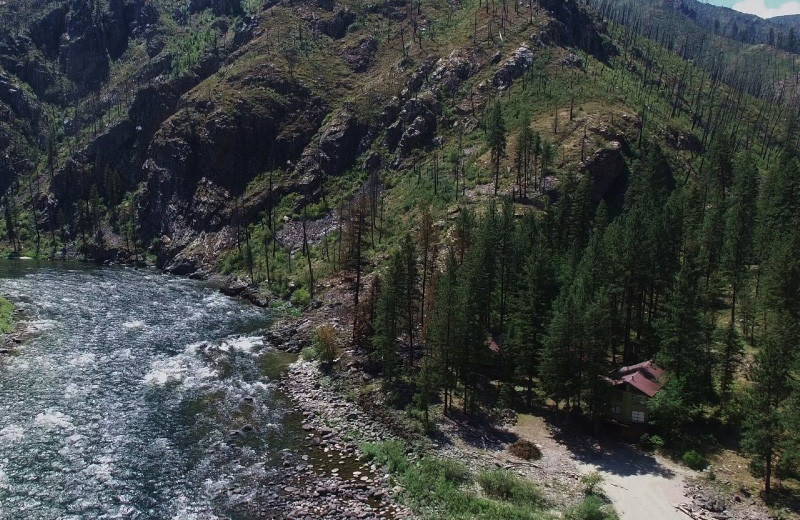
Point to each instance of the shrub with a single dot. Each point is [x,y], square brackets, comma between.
[525,450]
[450,470]
[390,454]
[301,298]
[6,316]
[503,485]
[591,481]
[324,343]
[309,354]
[695,460]
[651,442]
[591,508]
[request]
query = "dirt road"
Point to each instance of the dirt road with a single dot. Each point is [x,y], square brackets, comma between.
[641,486]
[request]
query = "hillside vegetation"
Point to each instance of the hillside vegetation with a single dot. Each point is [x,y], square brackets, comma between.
[501,202]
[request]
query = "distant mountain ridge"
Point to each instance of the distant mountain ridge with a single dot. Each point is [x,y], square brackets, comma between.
[780,31]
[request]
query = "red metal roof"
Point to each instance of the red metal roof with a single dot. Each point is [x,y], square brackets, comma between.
[645,377]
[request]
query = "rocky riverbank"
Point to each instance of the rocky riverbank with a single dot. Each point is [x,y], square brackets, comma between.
[336,483]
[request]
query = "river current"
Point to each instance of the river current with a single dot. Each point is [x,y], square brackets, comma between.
[136,395]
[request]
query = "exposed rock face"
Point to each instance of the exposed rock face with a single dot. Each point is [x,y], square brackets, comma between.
[47,30]
[338,144]
[683,140]
[420,114]
[205,155]
[452,71]
[220,7]
[19,102]
[392,9]
[359,57]
[115,29]
[82,55]
[336,26]
[607,167]
[30,67]
[574,26]
[514,67]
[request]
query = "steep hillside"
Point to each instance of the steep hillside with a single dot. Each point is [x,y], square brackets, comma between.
[480,200]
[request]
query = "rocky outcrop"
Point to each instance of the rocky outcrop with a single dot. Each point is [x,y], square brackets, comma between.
[685,141]
[573,25]
[22,106]
[360,56]
[46,30]
[336,26]
[607,168]
[452,71]
[83,57]
[205,155]
[415,126]
[219,7]
[514,67]
[338,143]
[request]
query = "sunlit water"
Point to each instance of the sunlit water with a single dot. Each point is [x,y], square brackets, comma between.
[135,395]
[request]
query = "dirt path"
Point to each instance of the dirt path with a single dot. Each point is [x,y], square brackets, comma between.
[640,485]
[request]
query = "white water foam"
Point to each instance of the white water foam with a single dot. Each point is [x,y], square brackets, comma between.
[134,324]
[182,369]
[11,434]
[53,419]
[82,360]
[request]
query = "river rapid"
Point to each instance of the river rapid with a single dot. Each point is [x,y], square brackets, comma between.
[137,395]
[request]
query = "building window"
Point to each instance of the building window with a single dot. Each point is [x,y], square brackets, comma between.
[616,410]
[637,417]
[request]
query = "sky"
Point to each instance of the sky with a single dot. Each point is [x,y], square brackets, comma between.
[762,8]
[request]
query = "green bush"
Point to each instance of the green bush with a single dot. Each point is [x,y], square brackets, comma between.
[301,298]
[591,482]
[651,442]
[439,488]
[324,343]
[6,316]
[309,354]
[504,485]
[390,454]
[592,508]
[695,460]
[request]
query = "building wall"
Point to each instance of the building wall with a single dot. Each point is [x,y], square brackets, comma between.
[628,404]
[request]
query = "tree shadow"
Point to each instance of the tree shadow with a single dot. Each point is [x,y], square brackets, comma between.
[609,455]
[480,431]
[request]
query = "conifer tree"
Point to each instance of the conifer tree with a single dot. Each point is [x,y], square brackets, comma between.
[388,320]
[531,312]
[496,140]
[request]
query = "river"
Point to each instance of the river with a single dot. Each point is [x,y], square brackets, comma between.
[136,395]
